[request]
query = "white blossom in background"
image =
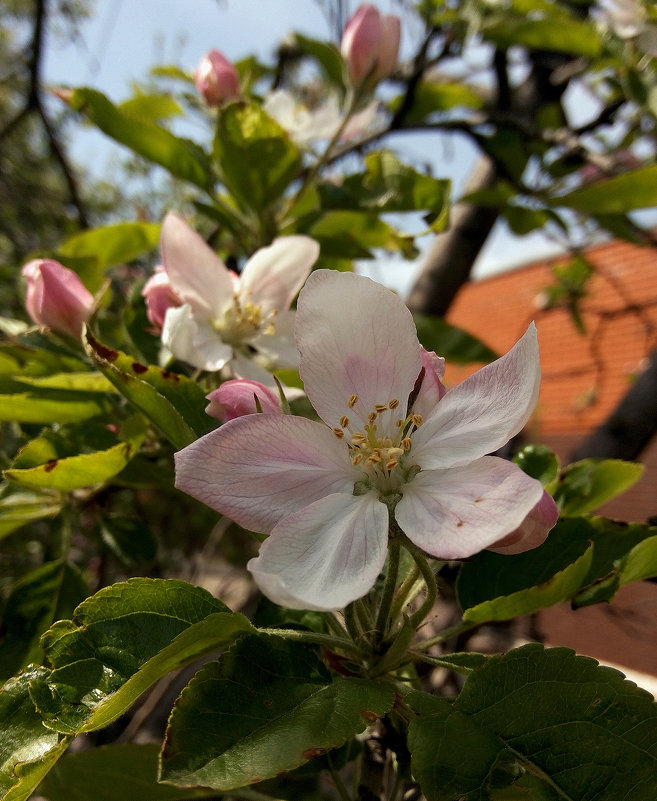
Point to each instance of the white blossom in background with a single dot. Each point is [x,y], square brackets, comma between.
[394,450]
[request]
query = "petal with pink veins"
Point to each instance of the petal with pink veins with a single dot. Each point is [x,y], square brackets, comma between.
[261,468]
[483,412]
[325,555]
[431,388]
[197,274]
[455,513]
[279,348]
[532,531]
[356,338]
[272,277]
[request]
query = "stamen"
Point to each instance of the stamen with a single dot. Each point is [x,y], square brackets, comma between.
[339,433]
[406,443]
[357,458]
[344,421]
[381,408]
[394,403]
[371,417]
[417,420]
[353,400]
[391,464]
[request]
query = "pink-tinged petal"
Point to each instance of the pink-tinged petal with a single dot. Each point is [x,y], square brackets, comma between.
[533,530]
[216,79]
[193,341]
[483,412]
[279,349]
[56,297]
[263,467]
[237,397]
[273,275]
[356,338]
[326,555]
[431,387]
[159,296]
[389,48]
[197,274]
[452,514]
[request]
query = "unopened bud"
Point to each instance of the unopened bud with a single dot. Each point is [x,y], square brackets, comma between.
[370,44]
[56,297]
[216,79]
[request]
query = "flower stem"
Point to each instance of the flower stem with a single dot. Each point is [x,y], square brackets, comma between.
[447,634]
[334,643]
[382,619]
[429,579]
[351,623]
[408,589]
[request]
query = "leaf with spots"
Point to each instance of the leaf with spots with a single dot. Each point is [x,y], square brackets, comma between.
[268,705]
[539,724]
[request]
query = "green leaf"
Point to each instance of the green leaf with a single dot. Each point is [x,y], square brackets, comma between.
[46,462]
[541,719]
[586,485]
[268,705]
[327,56]
[23,402]
[120,642]
[447,340]
[127,771]
[19,507]
[27,748]
[636,189]
[129,540]
[150,108]
[257,158]
[42,596]
[181,157]
[112,244]
[432,96]
[563,35]
[351,234]
[173,402]
[539,462]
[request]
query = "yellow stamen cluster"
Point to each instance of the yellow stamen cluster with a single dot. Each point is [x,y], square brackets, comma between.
[243,320]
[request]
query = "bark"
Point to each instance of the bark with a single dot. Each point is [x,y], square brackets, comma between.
[632,424]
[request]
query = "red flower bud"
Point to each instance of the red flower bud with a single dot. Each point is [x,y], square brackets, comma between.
[56,297]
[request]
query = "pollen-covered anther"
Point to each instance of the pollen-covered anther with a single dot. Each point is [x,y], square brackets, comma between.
[417,420]
[391,464]
[339,433]
[353,400]
[381,408]
[358,439]
[344,421]
[357,458]
[394,403]
[406,443]
[371,417]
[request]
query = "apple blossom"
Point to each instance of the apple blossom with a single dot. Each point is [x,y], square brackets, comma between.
[56,297]
[370,44]
[159,296]
[237,397]
[244,320]
[328,493]
[216,79]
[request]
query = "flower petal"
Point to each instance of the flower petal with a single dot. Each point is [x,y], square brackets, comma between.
[455,513]
[431,388]
[326,555]
[483,412]
[272,277]
[356,338]
[197,274]
[532,531]
[279,348]
[261,468]
[192,341]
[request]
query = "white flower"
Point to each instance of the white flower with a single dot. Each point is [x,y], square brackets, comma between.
[328,493]
[224,318]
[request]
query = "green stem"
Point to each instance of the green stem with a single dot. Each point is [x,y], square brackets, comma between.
[382,619]
[408,589]
[334,643]
[337,781]
[429,579]
[66,532]
[438,662]
[364,617]
[351,623]
[334,624]
[447,634]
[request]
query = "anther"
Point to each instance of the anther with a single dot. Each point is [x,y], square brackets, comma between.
[381,408]
[357,458]
[391,464]
[339,433]
[371,417]
[417,419]
[344,421]
[406,443]
[394,403]
[353,400]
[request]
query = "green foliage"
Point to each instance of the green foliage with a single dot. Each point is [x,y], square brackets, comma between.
[537,723]
[586,485]
[268,706]
[633,190]
[539,462]
[451,342]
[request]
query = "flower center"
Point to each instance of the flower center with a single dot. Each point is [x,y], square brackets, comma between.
[243,321]
[380,447]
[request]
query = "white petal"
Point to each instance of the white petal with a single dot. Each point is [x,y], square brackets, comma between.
[263,467]
[197,274]
[212,352]
[326,555]
[356,338]
[186,338]
[483,412]
[279,348]
[532,531]
[273,275]
[455,513]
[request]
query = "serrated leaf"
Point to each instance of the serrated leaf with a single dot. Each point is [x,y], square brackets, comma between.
[181,157]
[268,706]
[351,234]
[120,642]
[636,189]
[44,595]
[127,771]
[587,484]
[173,402]
[451,342]
[19,507]
[543,716]
[27,748]
[256,157]
[23,402]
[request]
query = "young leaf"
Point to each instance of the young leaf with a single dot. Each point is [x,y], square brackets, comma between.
[120,642]
[539,462]
[27,748]
[544,719]
[111,244]
[636,189]
[455,344]
[268,705]
[586,485]
[23,402]
[19,507]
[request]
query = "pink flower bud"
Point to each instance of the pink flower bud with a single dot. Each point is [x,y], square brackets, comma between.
[159,296]
[56,297]
[532,531]
[236,398]
[370,44]
[216,79]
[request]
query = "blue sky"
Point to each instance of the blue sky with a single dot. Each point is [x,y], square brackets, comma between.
[124,38]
